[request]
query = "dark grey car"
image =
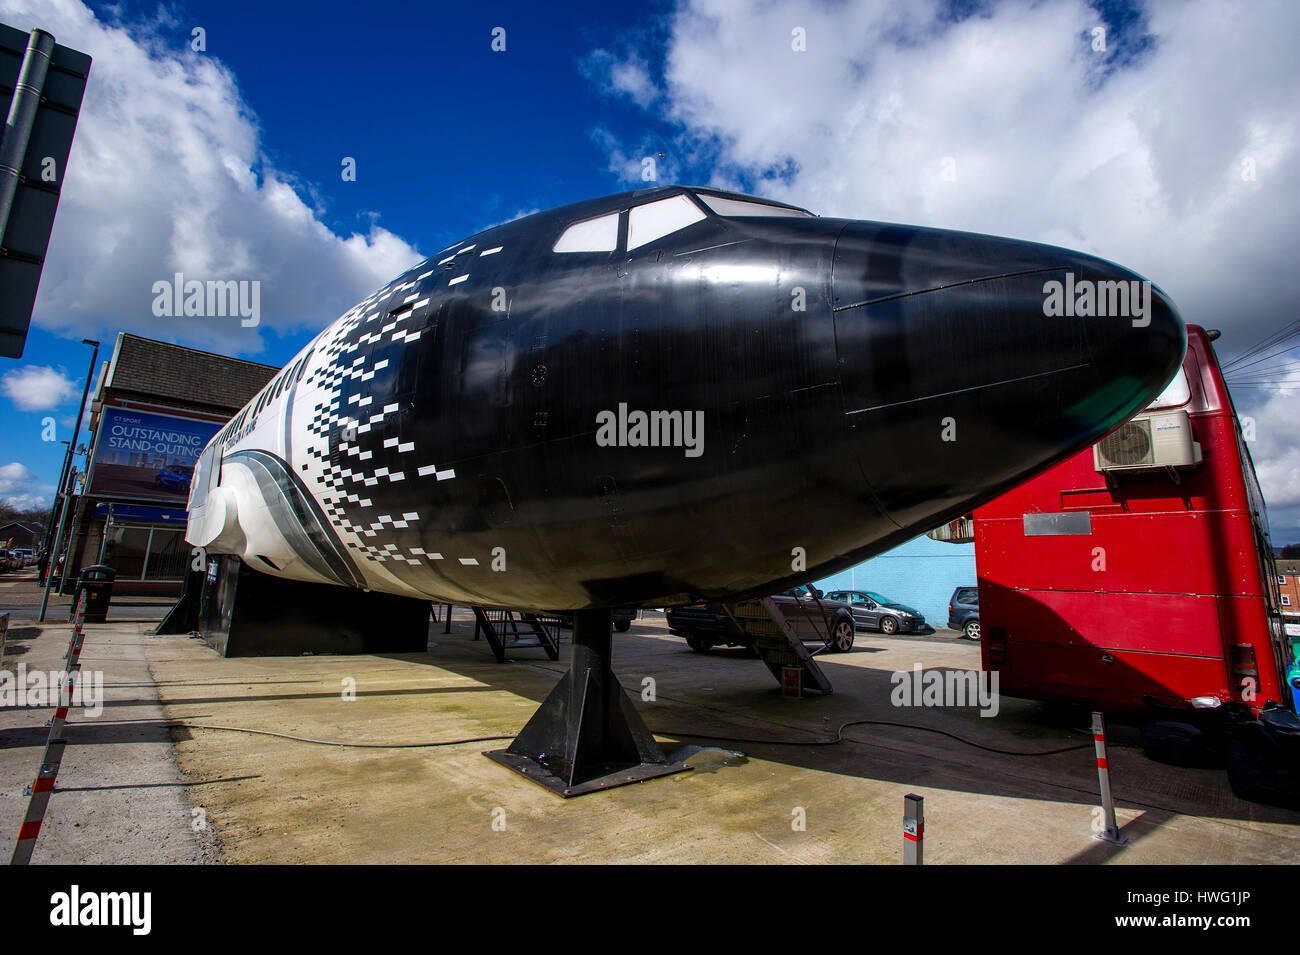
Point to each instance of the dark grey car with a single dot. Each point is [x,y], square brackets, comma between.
[809,616]
[706,625]
[871,611]
[964,612]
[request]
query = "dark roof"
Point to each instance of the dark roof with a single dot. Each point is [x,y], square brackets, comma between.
[153,369]
[1288,566]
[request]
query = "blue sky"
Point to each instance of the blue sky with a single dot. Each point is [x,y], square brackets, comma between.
[226,162]
[448,135]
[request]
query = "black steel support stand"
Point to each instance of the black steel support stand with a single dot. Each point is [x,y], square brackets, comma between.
[587,735]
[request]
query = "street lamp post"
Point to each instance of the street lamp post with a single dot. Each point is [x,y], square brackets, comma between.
[58,536]
[58,499]
[66,483]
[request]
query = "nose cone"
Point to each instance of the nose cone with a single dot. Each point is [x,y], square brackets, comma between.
[967,363]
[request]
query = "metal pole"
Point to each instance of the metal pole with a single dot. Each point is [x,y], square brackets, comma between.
[85,393]
[913,829]
[58,499]
[1111,833]
[144,569]
[58,536]
[103,538]
[21,119]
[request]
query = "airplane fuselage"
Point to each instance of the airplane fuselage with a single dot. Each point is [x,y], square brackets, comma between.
[533,418]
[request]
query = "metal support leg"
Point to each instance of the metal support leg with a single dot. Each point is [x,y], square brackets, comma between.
[587,735]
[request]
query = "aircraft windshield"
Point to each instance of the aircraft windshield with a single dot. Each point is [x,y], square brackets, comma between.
[1176,393]
[743,208]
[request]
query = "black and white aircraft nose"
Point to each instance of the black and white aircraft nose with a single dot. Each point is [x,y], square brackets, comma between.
[967,361]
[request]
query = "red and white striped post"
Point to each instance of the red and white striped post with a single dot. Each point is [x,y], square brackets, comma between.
[913,829]
[41,790]
[1111,833]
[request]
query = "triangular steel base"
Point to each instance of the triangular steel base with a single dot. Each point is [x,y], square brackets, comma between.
[587,735]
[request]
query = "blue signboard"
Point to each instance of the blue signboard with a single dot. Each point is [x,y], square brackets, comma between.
[140,514]
[144,456]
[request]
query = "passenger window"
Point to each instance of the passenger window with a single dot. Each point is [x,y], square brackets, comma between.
[590,235]
[654,220]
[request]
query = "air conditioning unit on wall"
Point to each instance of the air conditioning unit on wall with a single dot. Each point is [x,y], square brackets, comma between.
[1149,442]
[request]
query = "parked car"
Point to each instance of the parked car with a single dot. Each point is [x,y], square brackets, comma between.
[5,560]
[708,625]
[176,477]
[964,612]
[704,626]
[24,556]
[871,611]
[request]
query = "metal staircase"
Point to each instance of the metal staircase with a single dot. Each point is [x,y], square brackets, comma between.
[513,629]
[776,642]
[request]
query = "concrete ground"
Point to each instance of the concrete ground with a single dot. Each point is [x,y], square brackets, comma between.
[120,796]
[260,798]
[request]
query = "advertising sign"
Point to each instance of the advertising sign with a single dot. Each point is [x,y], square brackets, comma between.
[144,456]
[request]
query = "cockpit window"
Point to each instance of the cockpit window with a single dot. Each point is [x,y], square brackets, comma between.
[657,219]
[1176,393]
[590,235]
[742,208]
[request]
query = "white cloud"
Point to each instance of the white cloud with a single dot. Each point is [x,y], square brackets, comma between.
[1276,452]
[167,175]
[1142,165]
[1132,154]
[29,502]
[20,487]
[621,76]
[38,387]
[645,165]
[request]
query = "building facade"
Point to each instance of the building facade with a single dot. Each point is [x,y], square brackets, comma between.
[1288,585]
[18,534]
[155,407]
[923,573]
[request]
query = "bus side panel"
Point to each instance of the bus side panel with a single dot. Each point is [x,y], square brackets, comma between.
[1111,647]
[1243,621]
[1118,680]
[1136,552]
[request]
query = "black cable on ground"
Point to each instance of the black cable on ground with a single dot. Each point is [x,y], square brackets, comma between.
[840,738]
[329,742]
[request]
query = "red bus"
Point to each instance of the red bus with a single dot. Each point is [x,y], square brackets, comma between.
[1139,571]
